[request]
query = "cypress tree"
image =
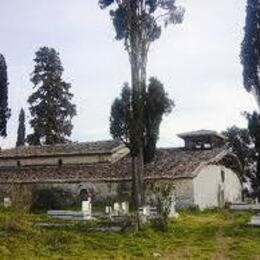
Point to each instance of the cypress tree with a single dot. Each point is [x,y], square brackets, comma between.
[21,129]
[4,110]
[138,24]
[156,106]
[50,104]
[250,59]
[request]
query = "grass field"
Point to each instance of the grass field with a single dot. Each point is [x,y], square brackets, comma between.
[195,235]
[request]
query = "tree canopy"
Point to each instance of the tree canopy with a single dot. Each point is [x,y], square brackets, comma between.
[250,52]
[50,104]
[157,105]
[4,110]
[241,143]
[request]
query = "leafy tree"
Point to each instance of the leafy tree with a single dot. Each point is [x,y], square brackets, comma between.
[241,143]
[157,104]
[21,129]
[50,105]
[4,110]
[139,23]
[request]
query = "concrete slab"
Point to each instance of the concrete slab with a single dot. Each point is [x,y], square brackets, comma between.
[68,214]
[243,206]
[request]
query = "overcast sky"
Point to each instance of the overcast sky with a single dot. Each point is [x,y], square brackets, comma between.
[198,62]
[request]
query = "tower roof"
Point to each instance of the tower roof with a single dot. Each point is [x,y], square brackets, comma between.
[201,133]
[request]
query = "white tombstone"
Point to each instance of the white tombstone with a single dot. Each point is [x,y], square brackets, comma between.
[125,207]
[116,208]
[108,210]
[86,209]
[7,202]
[173,213]
[145,211]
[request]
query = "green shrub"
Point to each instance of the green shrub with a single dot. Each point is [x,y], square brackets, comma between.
[54,198]
[161,199]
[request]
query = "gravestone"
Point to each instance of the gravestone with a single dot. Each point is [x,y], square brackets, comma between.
[116,208]
[173,213]
[108,210]
[87,209]
[125,207]
[7,202]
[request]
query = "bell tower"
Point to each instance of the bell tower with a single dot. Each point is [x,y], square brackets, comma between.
[202,140]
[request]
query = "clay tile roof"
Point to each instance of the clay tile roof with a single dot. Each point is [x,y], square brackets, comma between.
[201,133]
[98,147]
[175,163]
[171,163]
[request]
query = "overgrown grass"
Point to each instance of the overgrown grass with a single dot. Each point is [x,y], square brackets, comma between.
[195,235]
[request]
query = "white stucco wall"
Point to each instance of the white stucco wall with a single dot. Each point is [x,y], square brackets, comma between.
[210,191]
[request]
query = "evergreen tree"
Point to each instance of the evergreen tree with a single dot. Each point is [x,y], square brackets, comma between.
[250,59]
[139,23]
[254,130]
[21,129]
[157,105]
[50,105]
[250,52]
[4,110]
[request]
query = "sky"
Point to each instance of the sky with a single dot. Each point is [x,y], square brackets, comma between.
[198,62]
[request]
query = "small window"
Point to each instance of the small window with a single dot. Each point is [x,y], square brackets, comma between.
[60,162]
[207,146]
[18,163]
[198,146]
[222,176]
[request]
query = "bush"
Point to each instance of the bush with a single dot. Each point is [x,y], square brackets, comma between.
[161,199]
[54,198]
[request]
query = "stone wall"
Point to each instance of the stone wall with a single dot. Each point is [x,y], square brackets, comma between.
[113,191]
[52,160]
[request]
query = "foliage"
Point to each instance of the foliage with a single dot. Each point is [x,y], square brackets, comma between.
[157,105]
[250,53]
[120,116]
[254,131]
[149,19]
[161,198]
[4,110]
[53,198]
[241,143]
[21,129]
[50,104]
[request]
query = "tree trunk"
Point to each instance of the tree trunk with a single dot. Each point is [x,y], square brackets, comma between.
[136,131]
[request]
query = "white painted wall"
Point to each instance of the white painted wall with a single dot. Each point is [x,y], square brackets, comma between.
[208,184]
[233,187]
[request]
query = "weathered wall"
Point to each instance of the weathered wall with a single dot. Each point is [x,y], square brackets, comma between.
[205,190]
[54,160]
[210,190]
[183,191]
[65,159]
[107,191]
